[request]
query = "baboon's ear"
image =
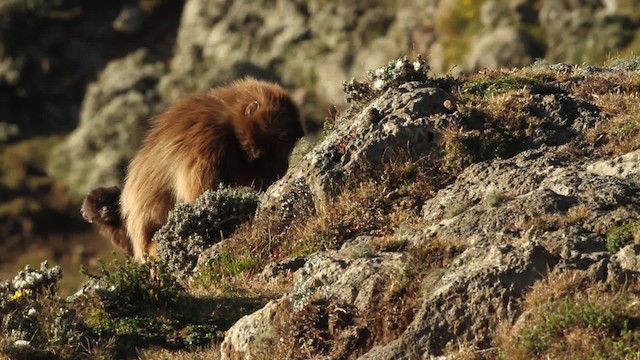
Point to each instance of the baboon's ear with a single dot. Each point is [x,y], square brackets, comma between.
[251,108]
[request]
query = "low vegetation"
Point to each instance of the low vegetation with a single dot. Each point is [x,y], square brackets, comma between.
[623,235]
[117,312]
[569,318]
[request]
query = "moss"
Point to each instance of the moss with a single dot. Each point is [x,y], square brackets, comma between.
[463,149]
[498,145]
[622,235]
[629,127]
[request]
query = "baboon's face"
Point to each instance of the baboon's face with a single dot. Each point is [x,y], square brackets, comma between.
[284,129]
[102,205]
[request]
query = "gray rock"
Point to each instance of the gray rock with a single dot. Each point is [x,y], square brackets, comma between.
[404,118]
[249,332]
[483,280]
[351,281]
[626,166]
[286,266]
[628,257]
[544,209]
[502,47]
[355,282]
[114,116]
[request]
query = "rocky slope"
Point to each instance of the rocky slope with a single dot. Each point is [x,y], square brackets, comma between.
[502,227]
[494,215]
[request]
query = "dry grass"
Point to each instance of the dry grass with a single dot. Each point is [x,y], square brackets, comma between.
[210,353]
[497,104]
[617,94]
[380,208]
[372,207]
[577,214]
[509,110]
[612,83]
[331,329]
[621,133]
[541,223]
[566,316]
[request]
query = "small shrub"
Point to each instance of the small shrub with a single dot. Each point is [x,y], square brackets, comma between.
[392,74]
[132,305]
[35,322]
[494,198]
[118,311]
[455,209]
[192,228]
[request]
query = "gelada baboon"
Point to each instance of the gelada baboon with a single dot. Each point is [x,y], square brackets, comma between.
[238,135]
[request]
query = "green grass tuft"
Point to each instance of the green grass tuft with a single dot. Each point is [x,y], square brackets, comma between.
[622,235]
[501,85]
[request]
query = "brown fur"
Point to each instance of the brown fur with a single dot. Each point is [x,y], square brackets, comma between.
[238,135]
[102,206]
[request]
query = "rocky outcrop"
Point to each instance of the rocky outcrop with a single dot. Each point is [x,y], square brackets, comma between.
[436,215]
[410,115]
[481,281]
[508,223]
